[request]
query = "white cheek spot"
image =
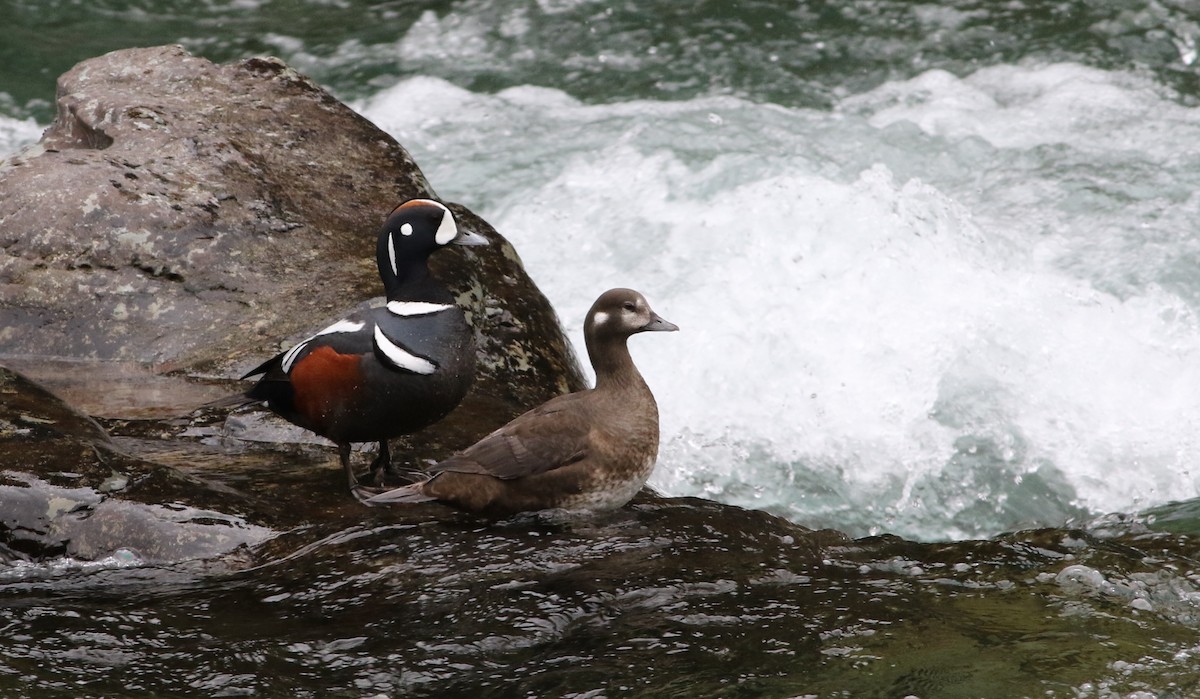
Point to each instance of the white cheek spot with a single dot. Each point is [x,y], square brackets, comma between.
[415,308]
[600,318]
[392,254]
[400,357]
[406,229]
[446,231]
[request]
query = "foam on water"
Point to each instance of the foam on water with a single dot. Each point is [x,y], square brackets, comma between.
[948,308]
[22,570]
[15,134]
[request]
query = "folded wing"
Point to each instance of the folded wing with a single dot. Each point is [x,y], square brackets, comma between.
[543,439]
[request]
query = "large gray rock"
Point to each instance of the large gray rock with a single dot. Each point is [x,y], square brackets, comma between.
[193,216]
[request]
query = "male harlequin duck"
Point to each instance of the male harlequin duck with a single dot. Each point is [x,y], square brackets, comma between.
[591,450]
[386,371]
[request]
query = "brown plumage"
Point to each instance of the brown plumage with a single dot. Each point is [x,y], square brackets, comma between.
[590,450]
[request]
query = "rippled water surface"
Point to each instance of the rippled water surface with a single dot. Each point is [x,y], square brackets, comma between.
[614,608]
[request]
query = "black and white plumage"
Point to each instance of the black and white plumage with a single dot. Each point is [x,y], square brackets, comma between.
[589,450]
[382,372]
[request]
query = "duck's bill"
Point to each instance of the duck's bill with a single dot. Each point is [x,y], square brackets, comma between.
[466,237]
[658,324]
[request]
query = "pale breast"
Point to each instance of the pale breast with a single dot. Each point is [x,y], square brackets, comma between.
[608,490]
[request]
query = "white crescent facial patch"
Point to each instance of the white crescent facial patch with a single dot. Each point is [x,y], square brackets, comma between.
[447,231]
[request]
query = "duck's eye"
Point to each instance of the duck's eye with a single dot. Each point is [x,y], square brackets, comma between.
[629,306]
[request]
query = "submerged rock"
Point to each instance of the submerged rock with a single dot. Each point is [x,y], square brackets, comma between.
[67,490]
[666,597]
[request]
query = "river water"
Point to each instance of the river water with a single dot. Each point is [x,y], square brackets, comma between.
[936,265]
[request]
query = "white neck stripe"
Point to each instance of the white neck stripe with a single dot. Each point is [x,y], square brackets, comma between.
[342,326]
[392,254]
[415,308]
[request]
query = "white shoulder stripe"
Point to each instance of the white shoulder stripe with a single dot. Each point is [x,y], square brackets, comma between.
[415,308]
[290,355]
[342,326]
[400,357]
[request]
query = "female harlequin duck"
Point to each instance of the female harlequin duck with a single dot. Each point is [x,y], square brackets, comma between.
[591,450]
[387,371]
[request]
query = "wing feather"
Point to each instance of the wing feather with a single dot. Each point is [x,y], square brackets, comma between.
[550,436]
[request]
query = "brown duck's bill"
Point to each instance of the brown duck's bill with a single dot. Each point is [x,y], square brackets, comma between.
[657,323]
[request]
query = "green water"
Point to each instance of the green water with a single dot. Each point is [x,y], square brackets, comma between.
[797,54]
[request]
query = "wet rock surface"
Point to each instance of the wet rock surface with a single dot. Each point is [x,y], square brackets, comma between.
[67,490]
[668,597]
[209,566]
[665,598]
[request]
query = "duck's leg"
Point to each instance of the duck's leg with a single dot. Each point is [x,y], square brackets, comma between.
[344,456]
[382,465]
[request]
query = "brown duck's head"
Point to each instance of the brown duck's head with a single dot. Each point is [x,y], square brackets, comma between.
[619,313]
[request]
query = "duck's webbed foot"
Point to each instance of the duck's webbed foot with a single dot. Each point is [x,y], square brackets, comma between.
[384,470]
[363,493]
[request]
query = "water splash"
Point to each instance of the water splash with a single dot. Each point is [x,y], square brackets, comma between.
[25,571]
[951,307]
[15,134]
